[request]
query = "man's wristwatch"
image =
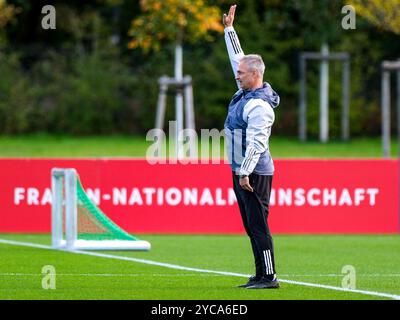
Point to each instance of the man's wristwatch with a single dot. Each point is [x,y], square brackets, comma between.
[243,176]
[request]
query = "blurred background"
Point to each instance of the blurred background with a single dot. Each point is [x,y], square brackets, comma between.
[79,79]
[96,74]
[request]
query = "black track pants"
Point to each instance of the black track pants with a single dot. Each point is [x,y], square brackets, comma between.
[254,209]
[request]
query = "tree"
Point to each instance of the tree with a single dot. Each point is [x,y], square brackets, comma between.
[7,13]
[176,21]
[383,13]
[173,21]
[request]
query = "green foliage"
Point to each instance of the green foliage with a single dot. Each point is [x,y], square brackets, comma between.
[16,95]
[7,14]
[173,21]
[93,96]
[383,13]
[76,81]
[90,94]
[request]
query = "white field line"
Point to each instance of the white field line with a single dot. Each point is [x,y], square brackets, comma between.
[178,267]
[8,274]
[18,274]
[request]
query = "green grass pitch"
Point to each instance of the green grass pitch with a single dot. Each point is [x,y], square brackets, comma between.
[312,259]
[48,146]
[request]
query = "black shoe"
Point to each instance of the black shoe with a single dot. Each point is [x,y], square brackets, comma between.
[264,283]
[252,281]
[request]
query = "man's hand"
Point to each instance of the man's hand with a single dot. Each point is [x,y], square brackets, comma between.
[245,183]
[228,19]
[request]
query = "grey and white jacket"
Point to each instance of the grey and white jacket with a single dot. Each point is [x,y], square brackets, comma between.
[249,121]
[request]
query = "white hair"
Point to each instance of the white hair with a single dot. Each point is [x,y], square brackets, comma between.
[254,62]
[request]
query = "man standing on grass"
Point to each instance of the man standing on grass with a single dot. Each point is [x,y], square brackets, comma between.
[248,127]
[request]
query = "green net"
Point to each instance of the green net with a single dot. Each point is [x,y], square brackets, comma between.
[93,224]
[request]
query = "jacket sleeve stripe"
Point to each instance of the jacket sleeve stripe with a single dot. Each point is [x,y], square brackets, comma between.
[247,161]
[233,42]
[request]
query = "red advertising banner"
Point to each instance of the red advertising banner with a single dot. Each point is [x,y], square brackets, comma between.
[308,196]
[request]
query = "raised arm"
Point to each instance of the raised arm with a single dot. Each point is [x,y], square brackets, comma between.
[235,51]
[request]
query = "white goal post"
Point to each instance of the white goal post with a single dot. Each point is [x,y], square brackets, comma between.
[67,196]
